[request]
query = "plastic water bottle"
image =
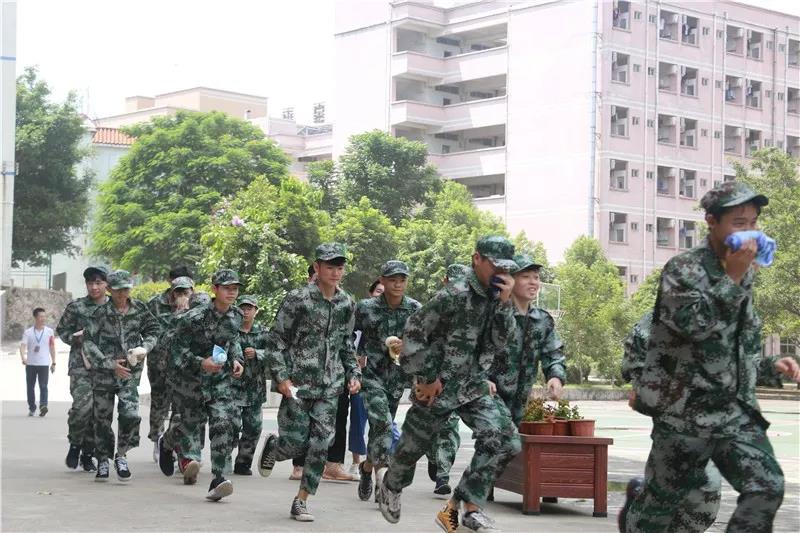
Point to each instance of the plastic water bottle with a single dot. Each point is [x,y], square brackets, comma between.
[218,355]
[766,245]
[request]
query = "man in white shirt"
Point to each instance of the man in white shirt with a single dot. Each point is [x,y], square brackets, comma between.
[38,353]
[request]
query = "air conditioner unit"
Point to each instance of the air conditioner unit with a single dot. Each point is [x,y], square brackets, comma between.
[739,32]
[674,18]
[736,82]
[673,69]
[670,121]
[737,132]
[671,223]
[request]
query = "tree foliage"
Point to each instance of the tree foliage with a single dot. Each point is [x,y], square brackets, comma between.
[777,292]
[160,194]
[322,176]
[51,191]
[644,299]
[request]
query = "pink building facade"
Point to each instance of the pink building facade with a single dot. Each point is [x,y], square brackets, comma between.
[565,118]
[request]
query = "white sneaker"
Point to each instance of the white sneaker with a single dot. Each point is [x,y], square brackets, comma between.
[156,452]
[354,471]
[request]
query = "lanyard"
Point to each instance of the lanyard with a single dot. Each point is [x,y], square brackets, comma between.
[39,338]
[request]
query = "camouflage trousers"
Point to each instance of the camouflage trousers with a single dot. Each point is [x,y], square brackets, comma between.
[381,409]
[444,447]
[81,415]
[252,422]
[159,394]
[128,419]
[699,510]
[176,429]
[306,426]
[677,466]
[496,440]
[223,428]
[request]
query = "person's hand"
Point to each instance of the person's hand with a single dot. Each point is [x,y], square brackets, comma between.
[249,352]
[209,366]
[737,263]
[53,368]
[789,368]
[554,388]
[24,361]
[181,303]
[362,361]
[631,399]
[506,284]
[136,355]
[285,388]
[492,388]
[354,386]
[428,393]
[122,371]
[238,369]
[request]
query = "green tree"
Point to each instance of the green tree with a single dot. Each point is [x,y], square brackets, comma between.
[644,299]
[443,233]
[51,192]
[777,291]
[596,317]
[160,194]
[321,175]
[371,240]
[391,171]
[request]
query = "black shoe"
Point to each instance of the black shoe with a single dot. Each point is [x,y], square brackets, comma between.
[121,466]
[490,496]
[219,488]
[87,462]
[166,458]
[266,461]
[43,410]
[300,511]
[365,484]
[634,488]
[432,471]
[241,469]
[442,487]
[102,471]
[73,455]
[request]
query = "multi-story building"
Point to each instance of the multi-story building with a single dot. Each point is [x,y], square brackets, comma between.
[608,118]
[8,91]
[108,144]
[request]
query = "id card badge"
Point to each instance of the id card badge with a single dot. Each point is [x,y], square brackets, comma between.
[36,349]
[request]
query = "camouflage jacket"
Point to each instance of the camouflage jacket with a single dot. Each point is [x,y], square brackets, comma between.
[310,342]
[536,340]
[704,350]
[196,332]
[456,337]
[636,347]
[251,389]
[109,335]
[75,317]
[376,321]
[161,308]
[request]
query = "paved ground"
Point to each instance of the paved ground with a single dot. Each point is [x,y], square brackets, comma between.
[39,494]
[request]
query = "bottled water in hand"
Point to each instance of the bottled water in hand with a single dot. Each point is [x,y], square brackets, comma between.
[218,355]
[766,245]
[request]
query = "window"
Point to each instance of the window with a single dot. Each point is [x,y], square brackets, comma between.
[792,145]
[755,40]
[733,140]
[637,15]
[637,67]
[619,121]
[667,125]
[688,179]
[667,77]
[717,134]
[781,47]
[620,14]
[753,94]
[623,272]
[665,186]
[617,227]
[780,96]
[665,232]
[618,174]
[634,172]
[688,132]
[752,142]
[788,347]
[704,183]
[688,81]
[703,132]
[668,25]
[649,174]
[648,228]
[728,177]
[686,234]
[445,148]
[767,94]
[619,67]
[634,226]
[770,45]
[689,30]
[718,84]
[706,30]
[704,82]
[650,123]
[634,278]
[734,40]
[720,34]
[634,121]
[651,71]
[733,90]
[652,19]
[793,100]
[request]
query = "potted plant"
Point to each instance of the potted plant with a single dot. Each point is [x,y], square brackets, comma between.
[562,415]
[578,426]
[538,418]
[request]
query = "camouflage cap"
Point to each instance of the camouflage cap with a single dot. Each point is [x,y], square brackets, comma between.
[330,251]
[730,194]
[120,279]
[394,267]
[456,271]
[524,262]
[248,299]
[182,282]
[225,276]
[95,271]
[498,250]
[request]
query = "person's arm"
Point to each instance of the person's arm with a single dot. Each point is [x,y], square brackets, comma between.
[422,354]
[279,339]
[23,348]
[347,353]
[91,343]
[151,329]
[691,311]
[52,345]
[554,363]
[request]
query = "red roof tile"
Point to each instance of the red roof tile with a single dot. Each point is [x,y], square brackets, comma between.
[111,136]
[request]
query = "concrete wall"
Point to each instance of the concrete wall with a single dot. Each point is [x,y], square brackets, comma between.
[20,303]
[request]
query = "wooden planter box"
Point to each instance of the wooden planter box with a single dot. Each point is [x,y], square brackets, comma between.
[554,466]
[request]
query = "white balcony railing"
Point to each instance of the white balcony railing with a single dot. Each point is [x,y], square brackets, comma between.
[462,116]
[483,162]
[454,69]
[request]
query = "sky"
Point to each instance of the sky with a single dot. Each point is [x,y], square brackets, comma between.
[282,49]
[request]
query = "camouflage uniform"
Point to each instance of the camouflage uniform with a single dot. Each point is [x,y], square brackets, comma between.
[699,510]
[203,396]
[383,382]
[310,343]
[536,340]
[455,337]
[108,337]
[251,389]
[157,361]
[444,447]
[698,383]
[79,419]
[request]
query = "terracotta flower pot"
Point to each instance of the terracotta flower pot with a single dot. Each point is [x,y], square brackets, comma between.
[536,428]
[561,427]
[581,428]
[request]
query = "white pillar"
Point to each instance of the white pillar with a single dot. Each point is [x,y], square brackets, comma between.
[8,101]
